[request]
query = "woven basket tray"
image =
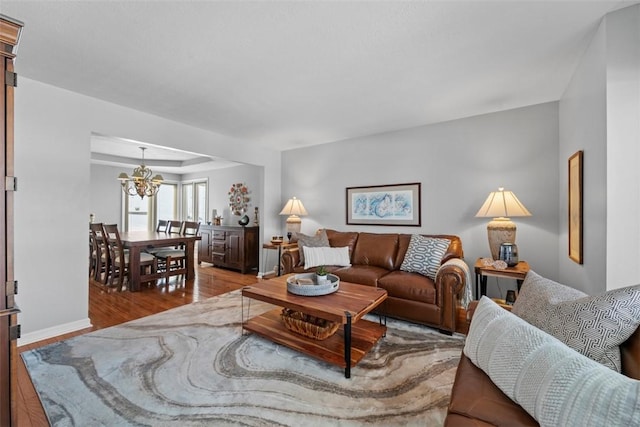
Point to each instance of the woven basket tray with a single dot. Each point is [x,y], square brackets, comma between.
[313,290]
[307,325]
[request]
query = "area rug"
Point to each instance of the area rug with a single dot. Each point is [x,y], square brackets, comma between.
[193,366]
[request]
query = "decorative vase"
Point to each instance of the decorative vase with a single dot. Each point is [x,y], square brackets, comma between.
[509,254]
[321,279]
[244,220]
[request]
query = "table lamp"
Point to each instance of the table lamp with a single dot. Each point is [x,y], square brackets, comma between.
[500,205]
[294,209]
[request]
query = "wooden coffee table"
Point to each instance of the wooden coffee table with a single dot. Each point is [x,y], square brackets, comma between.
[346,306]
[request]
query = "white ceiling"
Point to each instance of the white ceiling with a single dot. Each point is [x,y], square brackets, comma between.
[126,153]
[288,74]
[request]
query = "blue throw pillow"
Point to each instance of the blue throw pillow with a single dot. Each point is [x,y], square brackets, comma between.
[424,255]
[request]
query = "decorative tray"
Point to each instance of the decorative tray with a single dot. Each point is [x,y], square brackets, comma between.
[305,284]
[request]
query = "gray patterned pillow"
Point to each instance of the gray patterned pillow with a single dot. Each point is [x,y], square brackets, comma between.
[592,325]
[552,382]
[424,255]
[538,291]
[317,241]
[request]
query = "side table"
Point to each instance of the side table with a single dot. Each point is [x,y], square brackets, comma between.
[279,247]
[517,272]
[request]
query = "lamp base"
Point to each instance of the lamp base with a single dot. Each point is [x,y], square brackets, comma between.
[500,230]
[294,224]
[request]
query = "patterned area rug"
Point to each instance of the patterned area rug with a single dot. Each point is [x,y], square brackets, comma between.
[192,366]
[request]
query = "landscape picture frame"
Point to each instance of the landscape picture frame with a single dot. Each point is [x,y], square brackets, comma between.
[390,205]
[575,206]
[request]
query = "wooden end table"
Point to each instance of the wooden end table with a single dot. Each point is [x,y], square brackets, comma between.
[517,272]
[279,247]
[346,306]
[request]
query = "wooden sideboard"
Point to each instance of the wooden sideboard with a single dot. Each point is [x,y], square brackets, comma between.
[230,246]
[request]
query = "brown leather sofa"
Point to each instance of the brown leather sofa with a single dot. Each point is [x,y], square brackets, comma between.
[376,260]
[477,401]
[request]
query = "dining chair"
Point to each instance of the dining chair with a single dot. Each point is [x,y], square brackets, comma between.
[175,226]
[100,259]
[176,258]
[161,227]
[92,254]
[120,256]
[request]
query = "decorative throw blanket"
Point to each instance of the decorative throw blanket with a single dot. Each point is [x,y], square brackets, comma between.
[467,293]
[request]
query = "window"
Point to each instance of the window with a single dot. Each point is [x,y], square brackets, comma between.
[195,201]
[201,201]
[166,202]
[143,214]
[136,213]
[187,202]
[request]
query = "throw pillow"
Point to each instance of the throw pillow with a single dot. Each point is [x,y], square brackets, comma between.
[555,384]
[537,291]
[592,325]
[319,240]
[424,255]
[314,257]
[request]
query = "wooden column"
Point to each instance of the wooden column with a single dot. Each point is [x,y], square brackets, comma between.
[9,329]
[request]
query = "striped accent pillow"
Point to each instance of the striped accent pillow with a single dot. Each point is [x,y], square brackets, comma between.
[424,255]
[315,257]
[592,325]
[319,240]
[555,384]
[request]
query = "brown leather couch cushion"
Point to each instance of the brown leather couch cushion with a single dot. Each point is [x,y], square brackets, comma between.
[362,274]
[630,354]
[455,420]
[340,239]
[377,250]
[474,395]
[409,286]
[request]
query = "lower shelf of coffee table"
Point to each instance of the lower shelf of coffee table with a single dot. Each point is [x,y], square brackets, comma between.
[364,335]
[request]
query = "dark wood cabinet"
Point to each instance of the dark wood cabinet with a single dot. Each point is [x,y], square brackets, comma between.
[230,246]
[9,328]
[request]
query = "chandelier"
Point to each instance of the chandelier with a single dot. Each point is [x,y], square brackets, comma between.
[140,183]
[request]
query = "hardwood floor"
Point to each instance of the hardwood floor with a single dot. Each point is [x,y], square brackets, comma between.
[108,307]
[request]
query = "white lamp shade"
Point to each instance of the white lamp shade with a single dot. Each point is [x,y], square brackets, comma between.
[502,204]
[294,207]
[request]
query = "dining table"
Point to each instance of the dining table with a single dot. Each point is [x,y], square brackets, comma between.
[137,241]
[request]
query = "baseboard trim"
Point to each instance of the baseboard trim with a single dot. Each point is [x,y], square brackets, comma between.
[266,274]
[54,331]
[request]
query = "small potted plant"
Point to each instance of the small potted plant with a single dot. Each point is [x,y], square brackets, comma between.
[321,275]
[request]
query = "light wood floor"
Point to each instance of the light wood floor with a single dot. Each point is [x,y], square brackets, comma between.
[108,307]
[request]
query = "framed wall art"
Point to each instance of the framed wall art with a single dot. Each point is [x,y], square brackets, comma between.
[575,207]
[397,204]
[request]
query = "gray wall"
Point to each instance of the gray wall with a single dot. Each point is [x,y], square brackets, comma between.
[623,147]
[458,163]
[583,127]
[600,114]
